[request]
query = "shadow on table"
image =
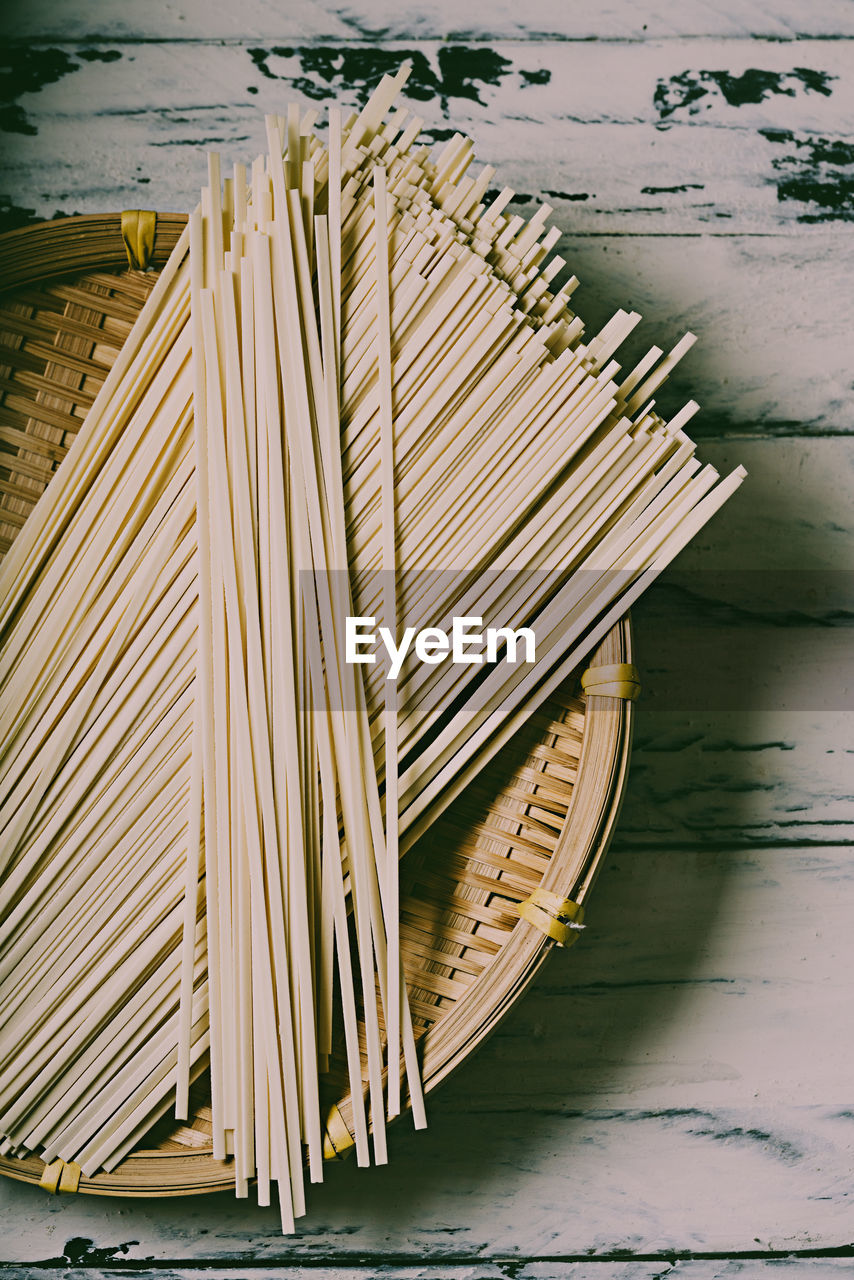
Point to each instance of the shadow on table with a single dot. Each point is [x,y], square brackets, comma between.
[728,653]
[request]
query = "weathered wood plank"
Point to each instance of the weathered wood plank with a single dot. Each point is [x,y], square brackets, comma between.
[680,1081]
[674,136]
[638,1184]
[433,19]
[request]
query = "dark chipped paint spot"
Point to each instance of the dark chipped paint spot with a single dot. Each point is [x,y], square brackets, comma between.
[15,215]
[713,424]
[99,55]
[748,746]
[519,197]
[778,1147]
[711,1128]
[818,171]
[647,982]
[80,1251]
[201,142]
[814,822]
[827,150]
[436,134]
[684,186]
[535,77]
[512,1269]
[568,195]
[463,71]
[696,91]
[260,56]
[14,120]
[27,71]
[834,198]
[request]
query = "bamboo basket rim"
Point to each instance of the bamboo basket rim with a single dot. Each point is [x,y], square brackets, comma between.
[92,244]
[63,247]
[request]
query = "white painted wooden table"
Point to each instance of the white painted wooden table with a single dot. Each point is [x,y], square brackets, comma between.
[675,1095]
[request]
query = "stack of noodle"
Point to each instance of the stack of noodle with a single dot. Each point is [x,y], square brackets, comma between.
[352,370]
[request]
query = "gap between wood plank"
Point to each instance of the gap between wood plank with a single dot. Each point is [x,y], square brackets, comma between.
[369,1262]
[361,41]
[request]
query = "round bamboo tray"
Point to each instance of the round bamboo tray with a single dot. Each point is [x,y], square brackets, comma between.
[539,817]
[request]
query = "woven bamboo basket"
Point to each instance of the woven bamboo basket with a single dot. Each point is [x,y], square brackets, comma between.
[539,817]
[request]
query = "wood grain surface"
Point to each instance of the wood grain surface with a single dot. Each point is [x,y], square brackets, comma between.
[608,132]
[382,20]
[674,1097]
